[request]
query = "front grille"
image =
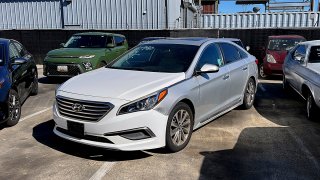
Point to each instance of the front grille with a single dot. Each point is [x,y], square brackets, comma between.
[83,110]
[73,70]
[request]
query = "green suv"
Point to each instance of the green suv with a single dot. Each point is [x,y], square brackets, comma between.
[84,52]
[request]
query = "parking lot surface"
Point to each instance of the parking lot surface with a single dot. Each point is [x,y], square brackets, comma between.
[273,140]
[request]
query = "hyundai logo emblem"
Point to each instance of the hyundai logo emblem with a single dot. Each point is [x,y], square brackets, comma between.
[77,107]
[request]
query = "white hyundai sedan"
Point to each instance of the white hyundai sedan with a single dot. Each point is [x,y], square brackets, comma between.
[156,94]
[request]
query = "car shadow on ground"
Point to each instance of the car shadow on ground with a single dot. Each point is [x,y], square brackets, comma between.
[43,134]
[52,80]
[289,150]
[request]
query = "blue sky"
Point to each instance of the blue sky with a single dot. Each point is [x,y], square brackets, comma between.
[231,7]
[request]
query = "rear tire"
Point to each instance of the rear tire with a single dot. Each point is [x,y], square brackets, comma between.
[179,127]
[249,94]
[311,107]
[13,108]
[285,84]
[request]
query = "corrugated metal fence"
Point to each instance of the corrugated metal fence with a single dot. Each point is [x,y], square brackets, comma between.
[262,20]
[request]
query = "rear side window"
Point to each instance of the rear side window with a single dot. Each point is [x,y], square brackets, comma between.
[314,56]
[1,54]
[230,52]
[211,55]
[20,48]
[242,54]
[119,40]
[239,43]
[13,52]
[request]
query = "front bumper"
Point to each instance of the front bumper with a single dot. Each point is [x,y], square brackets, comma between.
[272,68]
[117,131]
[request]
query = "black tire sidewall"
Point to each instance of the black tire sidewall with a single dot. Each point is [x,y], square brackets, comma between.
[35,87]
[9,121]
[245,104]
[314,109]
[170,146]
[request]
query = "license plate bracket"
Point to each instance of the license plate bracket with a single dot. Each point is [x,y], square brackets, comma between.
[62,68]
[76,129]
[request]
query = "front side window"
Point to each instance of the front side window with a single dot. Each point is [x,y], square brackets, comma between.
[87,41]
[230,52]
[20,48]
[314,56]
[300,53]
[171,58]
[211,55]
[1,54]
[283,44]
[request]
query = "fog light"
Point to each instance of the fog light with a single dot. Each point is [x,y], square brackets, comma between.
[87,66]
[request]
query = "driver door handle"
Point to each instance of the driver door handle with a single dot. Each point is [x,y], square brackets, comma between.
[225,77]
[245,68]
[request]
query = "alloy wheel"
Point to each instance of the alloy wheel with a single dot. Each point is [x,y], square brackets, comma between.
[250,92]
[180,127]
[14,107]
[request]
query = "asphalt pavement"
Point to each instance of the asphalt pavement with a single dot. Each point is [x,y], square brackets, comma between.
[273,140]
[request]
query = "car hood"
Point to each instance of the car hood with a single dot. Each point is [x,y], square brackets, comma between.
[120,84]
[279,56]
[75,52]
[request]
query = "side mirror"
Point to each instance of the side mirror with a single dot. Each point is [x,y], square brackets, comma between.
[247,48]
[19,61]
[111,45]
[62,45]
[208,68]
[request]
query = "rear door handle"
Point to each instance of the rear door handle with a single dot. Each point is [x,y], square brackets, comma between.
[225,77]
[245,68]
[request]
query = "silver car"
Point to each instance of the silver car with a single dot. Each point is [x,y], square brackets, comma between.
[301,71]
[156,94]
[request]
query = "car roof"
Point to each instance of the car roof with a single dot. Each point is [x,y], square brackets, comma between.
[286,37]
[311,43]
[196,41]
[232,39]
[98,34]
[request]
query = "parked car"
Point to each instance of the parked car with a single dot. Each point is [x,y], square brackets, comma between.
[156,94]
[84,52]
[301,71]
[18,79]
[276,50]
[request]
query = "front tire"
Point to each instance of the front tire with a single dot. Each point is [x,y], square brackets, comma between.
[261,71]
[311,107]
[35,85]
[179,127]
[285,84]
[14,108]
[249,94]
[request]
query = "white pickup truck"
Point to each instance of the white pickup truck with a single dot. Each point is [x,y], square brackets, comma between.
[301,71]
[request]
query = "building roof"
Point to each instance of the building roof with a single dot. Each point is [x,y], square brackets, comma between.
[286,36]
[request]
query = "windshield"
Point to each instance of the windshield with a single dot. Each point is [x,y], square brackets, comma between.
[314,56]
[283,44]
[1,54]
[86,41]
[171,58]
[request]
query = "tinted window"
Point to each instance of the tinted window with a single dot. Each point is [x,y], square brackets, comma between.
[243,54]
[13,52]
[20,49]
[87,41]
[211,55]
[314,54]
[283,44]
[230,52]
[239,43]
[171,58]
[1,54]
[119,40]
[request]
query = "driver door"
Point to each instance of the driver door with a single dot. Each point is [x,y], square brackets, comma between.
[212,86]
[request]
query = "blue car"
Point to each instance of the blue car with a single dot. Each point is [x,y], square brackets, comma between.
[18,79]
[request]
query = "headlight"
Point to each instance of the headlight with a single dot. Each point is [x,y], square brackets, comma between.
[144,104]
[87,66]
[271,59]
[87,56]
